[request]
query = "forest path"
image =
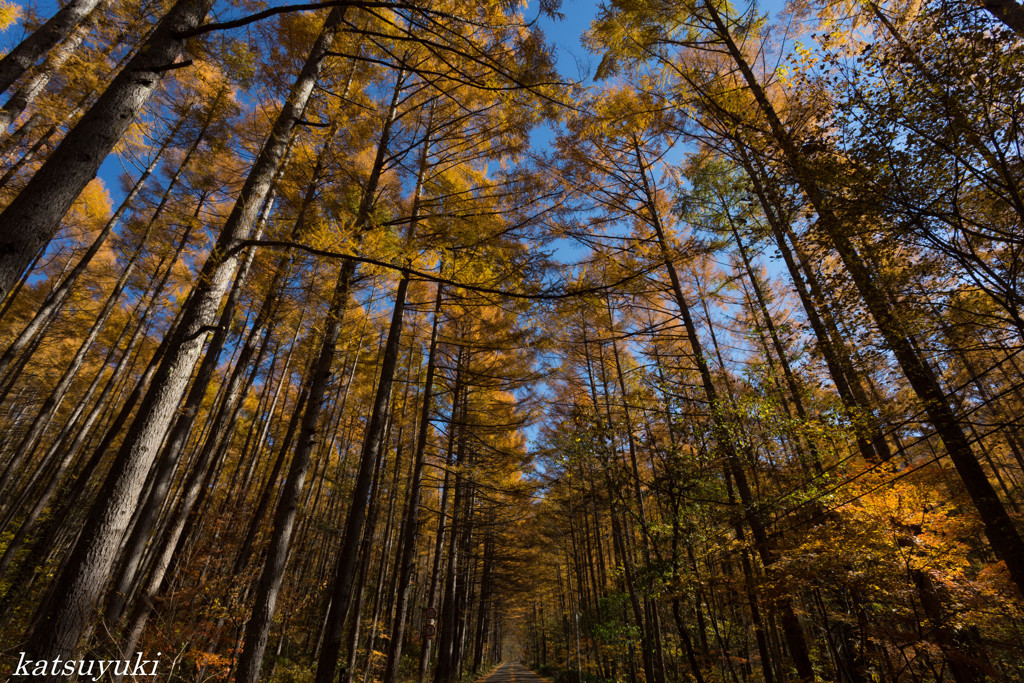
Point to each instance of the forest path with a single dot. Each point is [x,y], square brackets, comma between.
[512,672]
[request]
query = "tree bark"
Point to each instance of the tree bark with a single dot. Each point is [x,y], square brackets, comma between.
[410,526]
[132,547]
[33,217]
[27,93]
[345,570]
[30,50]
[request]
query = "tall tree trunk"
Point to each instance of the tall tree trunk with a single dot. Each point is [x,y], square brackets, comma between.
[345,571]
[840,367]
[257,629]
[442,517]
[160,479]
[27,93]
[30,50]
[33,217]
[78,487]
[56,397]
[410,526]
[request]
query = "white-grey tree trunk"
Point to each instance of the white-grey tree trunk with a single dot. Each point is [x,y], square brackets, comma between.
[27,93]
[31,50]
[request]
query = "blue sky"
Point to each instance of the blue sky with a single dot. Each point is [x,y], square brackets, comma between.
[575,62]
[566,34]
